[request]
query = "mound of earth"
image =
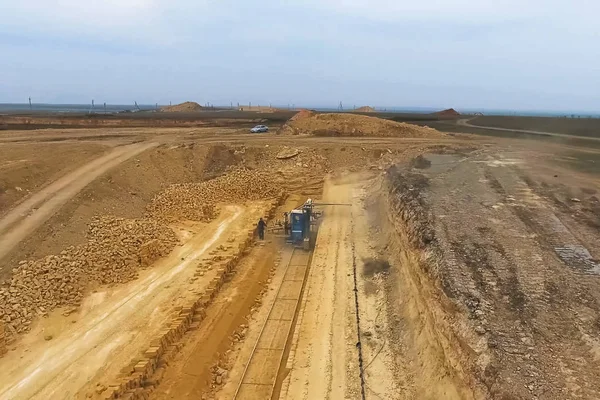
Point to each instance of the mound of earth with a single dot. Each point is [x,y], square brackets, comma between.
[365,109]
[302,114]
[449,113]
[188,106]
[354,125]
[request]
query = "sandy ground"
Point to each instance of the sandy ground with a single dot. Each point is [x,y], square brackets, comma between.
[26,167]
[325,357]
[113,324]
[23,219]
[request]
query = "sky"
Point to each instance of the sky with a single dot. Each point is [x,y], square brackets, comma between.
[483,54]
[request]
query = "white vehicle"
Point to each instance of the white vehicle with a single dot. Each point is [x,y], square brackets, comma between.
[259,128]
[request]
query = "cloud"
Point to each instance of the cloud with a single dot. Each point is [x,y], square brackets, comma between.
[99,20]
[324,50]
[459,11]
[54,14]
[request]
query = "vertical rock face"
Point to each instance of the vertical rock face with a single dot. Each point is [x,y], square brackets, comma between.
[2,339]
[407,200]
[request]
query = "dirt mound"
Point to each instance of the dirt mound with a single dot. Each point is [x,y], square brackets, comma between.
[449,113]
[354,125]
[116,248]
[365,109]
[301,115]
[188,106]
[196,201]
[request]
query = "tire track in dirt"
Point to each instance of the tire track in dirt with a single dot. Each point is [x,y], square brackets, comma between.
[27,216]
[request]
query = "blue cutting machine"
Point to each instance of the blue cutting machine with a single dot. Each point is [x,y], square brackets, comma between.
[300,223]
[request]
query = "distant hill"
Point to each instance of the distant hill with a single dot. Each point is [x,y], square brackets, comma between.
[449,113]
[365,109]
[188,106]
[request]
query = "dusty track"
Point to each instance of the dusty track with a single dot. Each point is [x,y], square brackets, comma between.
[23,219]
[465,122]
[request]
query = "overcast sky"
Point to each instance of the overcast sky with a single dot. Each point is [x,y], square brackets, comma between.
[510,54]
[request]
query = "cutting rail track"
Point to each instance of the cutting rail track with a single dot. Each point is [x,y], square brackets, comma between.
[261,374]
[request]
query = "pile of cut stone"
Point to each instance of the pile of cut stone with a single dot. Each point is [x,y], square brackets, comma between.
[115,250]
[196,201]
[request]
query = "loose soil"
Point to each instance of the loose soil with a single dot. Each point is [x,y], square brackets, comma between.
[354,125]
[188,106]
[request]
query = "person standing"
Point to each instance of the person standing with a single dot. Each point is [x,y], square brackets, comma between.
[286,223]
[261,229]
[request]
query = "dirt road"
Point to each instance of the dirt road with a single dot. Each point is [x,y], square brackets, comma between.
[23,219]
[114,325]
[465,122]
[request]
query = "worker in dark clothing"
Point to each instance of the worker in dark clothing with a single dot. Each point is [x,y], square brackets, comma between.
[261,229]
[286,224]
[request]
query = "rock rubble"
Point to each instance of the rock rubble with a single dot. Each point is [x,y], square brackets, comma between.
[196,201]
[115,250]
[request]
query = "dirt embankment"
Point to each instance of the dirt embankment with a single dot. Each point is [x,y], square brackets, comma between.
[423,323]
[354,125]
[188,106]
[509,299]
